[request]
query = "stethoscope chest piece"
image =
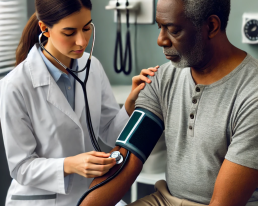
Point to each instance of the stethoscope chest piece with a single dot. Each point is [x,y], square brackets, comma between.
[117,155]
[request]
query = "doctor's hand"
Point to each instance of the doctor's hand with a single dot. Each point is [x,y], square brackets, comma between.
[138,83]
[90,164]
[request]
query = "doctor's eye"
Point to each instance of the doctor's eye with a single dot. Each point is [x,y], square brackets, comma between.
[86,29]
[69,34]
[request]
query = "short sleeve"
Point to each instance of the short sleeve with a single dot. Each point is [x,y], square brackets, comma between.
[149,97]
[243,149]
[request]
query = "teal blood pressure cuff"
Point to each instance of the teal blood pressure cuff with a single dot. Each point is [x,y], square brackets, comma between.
[141,133]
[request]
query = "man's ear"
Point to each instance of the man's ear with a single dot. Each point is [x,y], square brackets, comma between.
[43,28]
[214,26]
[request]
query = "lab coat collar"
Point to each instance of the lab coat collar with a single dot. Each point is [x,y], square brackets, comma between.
[40,76]
[38,71]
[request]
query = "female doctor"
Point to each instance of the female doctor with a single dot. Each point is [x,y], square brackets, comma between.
[49,153]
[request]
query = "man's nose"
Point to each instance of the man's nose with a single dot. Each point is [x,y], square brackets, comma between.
[163,40]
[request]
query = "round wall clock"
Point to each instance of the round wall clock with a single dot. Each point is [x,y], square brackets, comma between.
[250,28]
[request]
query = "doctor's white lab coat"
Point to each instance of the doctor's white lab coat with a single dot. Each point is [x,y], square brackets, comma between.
[40,129]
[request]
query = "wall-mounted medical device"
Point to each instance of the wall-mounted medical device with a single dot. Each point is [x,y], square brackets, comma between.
[141,11]
[250,28]
[129,12]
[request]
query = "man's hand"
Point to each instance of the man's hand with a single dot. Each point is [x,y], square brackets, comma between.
[90,164]
[235,185]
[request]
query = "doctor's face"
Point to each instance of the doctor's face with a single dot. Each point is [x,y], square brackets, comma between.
[71,35]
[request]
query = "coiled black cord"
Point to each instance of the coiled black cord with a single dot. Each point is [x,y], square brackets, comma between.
[128,50]
[105,181]
[119,47]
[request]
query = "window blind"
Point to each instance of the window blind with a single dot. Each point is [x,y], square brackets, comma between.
[13,17]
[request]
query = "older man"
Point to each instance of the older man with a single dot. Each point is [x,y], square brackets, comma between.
[207,96]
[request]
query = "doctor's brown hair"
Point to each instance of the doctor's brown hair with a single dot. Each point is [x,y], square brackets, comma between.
[50,12]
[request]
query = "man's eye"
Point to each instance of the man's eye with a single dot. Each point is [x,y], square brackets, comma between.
[175,32]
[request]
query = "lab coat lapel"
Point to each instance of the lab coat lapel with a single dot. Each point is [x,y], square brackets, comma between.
[41,77]
[57,98]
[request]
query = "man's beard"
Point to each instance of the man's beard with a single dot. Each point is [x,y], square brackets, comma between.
[192,57]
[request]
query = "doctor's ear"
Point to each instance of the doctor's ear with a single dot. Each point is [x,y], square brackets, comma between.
[46,34]
[44,29]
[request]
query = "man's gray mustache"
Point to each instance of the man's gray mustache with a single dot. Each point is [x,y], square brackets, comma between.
[170,52]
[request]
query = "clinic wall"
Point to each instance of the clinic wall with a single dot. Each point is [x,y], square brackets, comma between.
[146,52]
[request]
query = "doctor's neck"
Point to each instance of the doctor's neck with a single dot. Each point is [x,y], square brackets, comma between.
[67,61]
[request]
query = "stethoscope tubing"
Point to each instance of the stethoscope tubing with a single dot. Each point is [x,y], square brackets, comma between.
[93,139]
[83,85]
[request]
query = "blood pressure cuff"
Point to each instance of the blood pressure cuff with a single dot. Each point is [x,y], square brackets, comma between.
[141,133]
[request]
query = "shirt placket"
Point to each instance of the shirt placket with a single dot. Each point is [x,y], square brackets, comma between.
[197,93]
[68,89]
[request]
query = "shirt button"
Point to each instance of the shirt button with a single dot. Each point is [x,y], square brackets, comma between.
[69,87]
[190,127]
[194,101]
[197,89]
[191,116]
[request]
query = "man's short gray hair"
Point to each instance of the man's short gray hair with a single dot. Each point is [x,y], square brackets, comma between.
[199,10]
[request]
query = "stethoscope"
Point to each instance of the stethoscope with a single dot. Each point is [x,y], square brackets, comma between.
[119,47]
[83,84]
[116,154]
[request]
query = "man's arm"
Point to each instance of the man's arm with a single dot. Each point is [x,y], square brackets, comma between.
[113,191]
[234,186]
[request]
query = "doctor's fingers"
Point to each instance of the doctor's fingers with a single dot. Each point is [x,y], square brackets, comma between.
[143,76]
[99,160]
[137,80]
[98,154]
[150,71]
[93,170]
[99,168]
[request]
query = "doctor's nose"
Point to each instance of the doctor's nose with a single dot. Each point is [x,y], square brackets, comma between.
[81,40]
[163,40]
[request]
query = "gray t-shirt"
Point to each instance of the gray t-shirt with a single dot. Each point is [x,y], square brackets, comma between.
[205,124]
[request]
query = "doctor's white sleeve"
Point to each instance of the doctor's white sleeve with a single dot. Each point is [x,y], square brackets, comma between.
[25,166]
[113,119]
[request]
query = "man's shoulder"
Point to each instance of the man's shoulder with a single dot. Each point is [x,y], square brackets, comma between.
[167,73]
[248,71]
[167,68]
[245,81]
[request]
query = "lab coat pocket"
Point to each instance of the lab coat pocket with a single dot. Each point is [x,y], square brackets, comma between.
[39,200]
[19,195]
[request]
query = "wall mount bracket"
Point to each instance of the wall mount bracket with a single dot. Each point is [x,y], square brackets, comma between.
[141,11]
